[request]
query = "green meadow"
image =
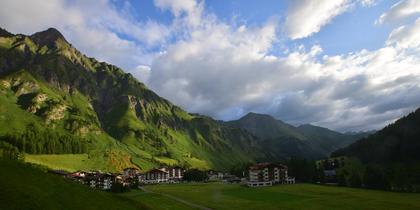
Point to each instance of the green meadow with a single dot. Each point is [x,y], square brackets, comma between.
[298,196]
[25,187]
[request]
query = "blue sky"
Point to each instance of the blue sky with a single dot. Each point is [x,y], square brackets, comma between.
[348,65]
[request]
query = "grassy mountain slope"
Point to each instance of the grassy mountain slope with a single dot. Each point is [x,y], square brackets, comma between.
[45,83]
[398,142]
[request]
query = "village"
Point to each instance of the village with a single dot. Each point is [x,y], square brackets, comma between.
[259,175]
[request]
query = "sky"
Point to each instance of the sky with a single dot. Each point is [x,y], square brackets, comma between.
[349,65]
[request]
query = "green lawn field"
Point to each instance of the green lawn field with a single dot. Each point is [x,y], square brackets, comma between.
[24,187]
[298,196]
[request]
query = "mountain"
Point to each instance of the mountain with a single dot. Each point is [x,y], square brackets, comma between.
[398,142]
[265,126]
[278,139]
[93,115]
[281,140]
[325,140]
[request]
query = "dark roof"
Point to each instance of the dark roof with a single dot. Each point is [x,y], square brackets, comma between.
[155,170]
[260,166]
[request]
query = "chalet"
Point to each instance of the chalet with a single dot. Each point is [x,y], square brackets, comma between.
[154,176]
[175,174]
[131,172]
[268,174]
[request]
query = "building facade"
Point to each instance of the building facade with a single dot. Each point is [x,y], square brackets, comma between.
[154,176]
[268,174]
[175,174]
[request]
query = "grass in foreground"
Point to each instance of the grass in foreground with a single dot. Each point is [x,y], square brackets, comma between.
[25,187]
[155,201]
[299,196]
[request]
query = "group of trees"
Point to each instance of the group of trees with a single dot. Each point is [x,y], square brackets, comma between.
[35,140]
[195,175]
[393,176]
[302,169]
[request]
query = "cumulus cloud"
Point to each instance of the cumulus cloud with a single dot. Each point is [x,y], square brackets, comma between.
[400,10]
[226,71]
[306,17]
[406,36]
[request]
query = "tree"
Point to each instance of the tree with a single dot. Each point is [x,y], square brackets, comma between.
[374,177]
[355,180]
[195,175]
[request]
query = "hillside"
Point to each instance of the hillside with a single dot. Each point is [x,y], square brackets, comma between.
[24,187]
[325,140]
[398,142]
[55,100]
[281,140]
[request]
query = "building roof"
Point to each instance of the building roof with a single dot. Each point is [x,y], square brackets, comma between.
[155,170]
[260,166]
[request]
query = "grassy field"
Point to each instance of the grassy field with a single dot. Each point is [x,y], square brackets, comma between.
[68,162]
[299,196]
[23,187]
[154,201]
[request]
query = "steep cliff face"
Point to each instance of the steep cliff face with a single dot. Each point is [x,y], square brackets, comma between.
[51,84]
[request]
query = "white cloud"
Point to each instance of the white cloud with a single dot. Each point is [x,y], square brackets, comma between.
[191,8]
[226,71]
[400,10]
[142,73]
[406,36]
[306,17]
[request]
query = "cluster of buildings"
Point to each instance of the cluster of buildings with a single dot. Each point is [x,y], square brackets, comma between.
[128,178]
[268,174]
[262,174]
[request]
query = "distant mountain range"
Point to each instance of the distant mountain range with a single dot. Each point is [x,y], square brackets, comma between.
[55,100]
[281,140]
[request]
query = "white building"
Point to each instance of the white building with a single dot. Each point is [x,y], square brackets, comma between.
[154,176]
[268,174]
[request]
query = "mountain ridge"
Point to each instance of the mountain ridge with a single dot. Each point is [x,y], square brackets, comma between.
[312,141]
[45,79]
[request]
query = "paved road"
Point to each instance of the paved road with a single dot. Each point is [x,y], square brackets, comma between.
[197,206]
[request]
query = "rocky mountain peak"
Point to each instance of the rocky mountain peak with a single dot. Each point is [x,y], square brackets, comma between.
[48,37]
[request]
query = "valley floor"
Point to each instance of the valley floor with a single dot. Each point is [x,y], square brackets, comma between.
[25,187]
[298,196]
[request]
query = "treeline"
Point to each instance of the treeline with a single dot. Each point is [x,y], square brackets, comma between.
[398,142]
[36,140]
[395,177]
